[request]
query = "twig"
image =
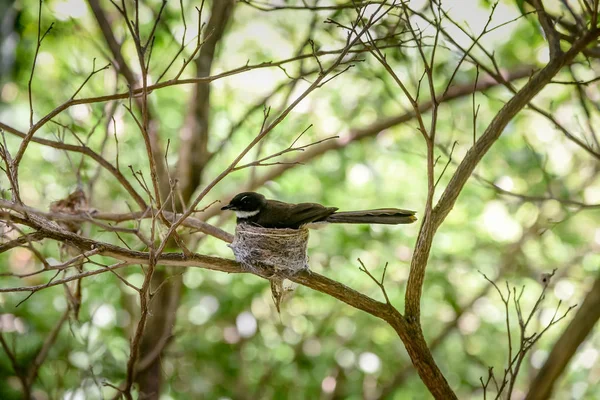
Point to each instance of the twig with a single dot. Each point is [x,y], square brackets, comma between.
[290,149]
[475,110]
[260,136]
[15,365]
[448,163]
[40,38]
[88,152]
[94,72]
[525,342]
[380,282]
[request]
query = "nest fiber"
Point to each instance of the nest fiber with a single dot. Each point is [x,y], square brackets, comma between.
[277,253]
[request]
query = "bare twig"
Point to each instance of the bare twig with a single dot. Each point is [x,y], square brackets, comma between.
[40,38]
[264,132]
[566,346]
[15,365]
[379,282]
[88,152]
[526,341]
[94,72]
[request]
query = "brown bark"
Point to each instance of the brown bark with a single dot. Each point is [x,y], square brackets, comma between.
[412,336]
[158,333]
[192,158]
[468,164]
[164,304]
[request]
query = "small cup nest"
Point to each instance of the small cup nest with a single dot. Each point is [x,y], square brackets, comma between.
[273,253]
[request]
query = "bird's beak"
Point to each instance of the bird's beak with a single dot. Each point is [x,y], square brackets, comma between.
[227,207]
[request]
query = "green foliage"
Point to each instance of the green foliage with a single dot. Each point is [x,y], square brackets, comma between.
[216,352]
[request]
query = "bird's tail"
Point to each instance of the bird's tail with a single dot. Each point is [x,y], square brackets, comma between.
[388,216]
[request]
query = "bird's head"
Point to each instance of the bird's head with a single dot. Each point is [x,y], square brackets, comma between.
[246,204]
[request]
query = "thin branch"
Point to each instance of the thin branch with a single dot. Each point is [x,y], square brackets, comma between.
[88,152]
[94,72]
[372,130]
[40,38]
[49,341]
[448,163]
[380,282]
[15,365]
[21,240]
[264,132]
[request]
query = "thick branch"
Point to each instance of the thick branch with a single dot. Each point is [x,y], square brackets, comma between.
[21,240]
[548,27]
[121,217]
[349,296]
[472,158]
[312,279]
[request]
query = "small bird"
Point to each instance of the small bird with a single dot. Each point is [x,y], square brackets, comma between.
[254,208]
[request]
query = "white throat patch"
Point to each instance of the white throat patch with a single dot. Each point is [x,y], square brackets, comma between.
[246,214]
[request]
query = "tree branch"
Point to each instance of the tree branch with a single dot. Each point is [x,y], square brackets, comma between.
[472,158]
[355,135]
[193,153]
[566,346]
[88,152]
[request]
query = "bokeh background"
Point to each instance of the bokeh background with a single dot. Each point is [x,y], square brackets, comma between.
[228,340]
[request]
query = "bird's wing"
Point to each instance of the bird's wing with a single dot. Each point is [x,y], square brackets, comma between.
[285,215]
[305,213]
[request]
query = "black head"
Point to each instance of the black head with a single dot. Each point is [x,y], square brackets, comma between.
[246,202]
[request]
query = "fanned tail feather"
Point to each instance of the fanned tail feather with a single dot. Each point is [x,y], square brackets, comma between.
[387,216]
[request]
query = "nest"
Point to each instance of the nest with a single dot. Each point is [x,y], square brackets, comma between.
[273,253]
[75,203]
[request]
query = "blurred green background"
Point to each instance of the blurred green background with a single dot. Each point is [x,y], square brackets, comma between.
[228,340]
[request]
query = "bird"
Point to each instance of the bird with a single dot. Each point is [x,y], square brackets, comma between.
[255,209]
